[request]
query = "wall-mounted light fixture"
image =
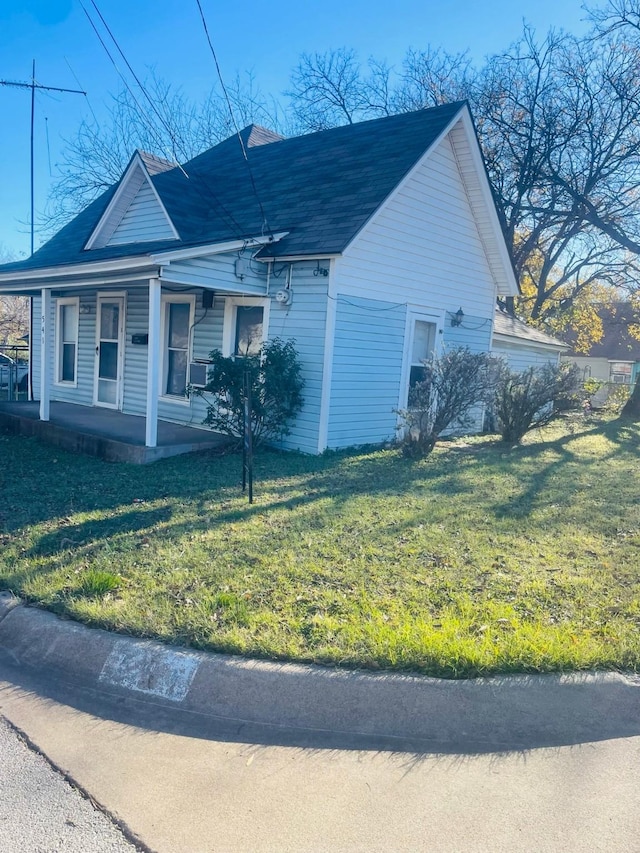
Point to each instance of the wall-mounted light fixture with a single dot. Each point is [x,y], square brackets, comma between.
[457,318]
[86,308]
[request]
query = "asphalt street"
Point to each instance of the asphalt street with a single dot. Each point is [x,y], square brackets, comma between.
[40,812]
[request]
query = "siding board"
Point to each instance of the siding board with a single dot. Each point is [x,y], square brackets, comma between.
[144,219]
[367,367]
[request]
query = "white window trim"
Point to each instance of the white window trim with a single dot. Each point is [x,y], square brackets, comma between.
[168,299]
[231,305]
[62,383]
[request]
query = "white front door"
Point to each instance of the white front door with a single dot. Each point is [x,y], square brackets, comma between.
[109,351]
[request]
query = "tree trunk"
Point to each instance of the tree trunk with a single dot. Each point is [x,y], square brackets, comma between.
[632,406]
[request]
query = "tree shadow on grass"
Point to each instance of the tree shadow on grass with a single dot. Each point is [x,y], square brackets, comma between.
[209,486]
[87,535]
[538,487]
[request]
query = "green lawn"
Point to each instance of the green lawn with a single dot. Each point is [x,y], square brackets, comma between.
[479,559]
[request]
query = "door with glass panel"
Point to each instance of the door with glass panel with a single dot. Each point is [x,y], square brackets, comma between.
[422,350]
[109,351]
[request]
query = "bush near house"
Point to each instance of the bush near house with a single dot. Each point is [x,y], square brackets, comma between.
[526,400]
[453,384]
[276,391]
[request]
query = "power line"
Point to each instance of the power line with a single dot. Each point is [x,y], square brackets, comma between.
[265,224]
[145,119]
[161,118]
[224,213]
[75,77]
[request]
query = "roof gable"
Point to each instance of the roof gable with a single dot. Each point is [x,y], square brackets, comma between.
[458,135]
[136,212]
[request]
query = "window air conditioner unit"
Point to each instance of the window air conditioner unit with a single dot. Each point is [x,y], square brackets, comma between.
[198,373]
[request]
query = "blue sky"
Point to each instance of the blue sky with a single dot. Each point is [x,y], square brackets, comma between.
[266,38]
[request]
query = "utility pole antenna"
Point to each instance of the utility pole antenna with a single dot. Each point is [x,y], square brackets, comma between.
[33,86]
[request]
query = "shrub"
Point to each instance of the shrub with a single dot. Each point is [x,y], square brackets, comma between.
[617,397]
[454,383]
[525,400]
[276,391]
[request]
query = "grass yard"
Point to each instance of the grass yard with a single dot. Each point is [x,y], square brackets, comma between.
[477,560]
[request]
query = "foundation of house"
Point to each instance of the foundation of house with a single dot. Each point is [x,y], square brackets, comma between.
[104,433]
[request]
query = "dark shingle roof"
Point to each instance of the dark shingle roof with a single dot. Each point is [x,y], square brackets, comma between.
[155,165]
[321,188]
[511,327]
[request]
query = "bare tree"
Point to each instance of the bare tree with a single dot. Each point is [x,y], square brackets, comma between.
[558,120]
[176,128]
[328,89]
[14,310]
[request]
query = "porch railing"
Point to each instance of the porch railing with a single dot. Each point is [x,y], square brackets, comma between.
[14,372]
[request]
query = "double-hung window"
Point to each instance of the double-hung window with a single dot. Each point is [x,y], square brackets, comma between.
[246,320]
[178,325]
[66,362]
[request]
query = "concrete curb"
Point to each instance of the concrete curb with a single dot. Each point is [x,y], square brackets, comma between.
[491,713]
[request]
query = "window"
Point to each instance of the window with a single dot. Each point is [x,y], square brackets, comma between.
[620,372]
[249,326]
[246,321]
[67,311]
[178,323]
[424,338]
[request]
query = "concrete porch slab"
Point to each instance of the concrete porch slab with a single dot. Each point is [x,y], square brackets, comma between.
[104,433]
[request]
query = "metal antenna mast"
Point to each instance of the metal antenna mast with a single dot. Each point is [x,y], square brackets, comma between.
[33,86]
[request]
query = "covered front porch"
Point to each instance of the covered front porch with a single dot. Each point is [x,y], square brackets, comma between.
[105,433]
[119,348]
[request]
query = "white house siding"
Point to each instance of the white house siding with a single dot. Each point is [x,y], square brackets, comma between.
[423,247]
[474,333]
[367,371]
[520,357]
[218,271]
[421,252]
[144,220]
[304,320]
[82,393]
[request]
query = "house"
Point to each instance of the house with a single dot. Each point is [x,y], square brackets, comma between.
[615,359]
[372,245]
[523,346]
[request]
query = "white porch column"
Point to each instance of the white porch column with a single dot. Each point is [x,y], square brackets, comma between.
[46,352]
[153,363]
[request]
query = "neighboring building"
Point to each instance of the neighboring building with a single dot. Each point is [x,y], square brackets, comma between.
[372,245]
[615,359]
